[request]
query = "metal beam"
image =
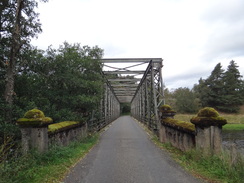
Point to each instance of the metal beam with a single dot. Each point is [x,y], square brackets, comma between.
[124,85]
[124,80]
[128,60]
[125,92]
[125,89]
[124,72]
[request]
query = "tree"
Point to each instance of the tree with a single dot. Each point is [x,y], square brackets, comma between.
[222,90]
[215,87]
[169,97]
[18,24]
[186,102]
[202,90]
[65,82]
[233,85]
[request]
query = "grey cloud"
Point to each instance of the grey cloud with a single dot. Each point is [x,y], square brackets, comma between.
[225,22]
[229,43]
[187,79]
[224,10]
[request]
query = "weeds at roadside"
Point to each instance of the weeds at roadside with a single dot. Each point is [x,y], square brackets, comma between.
[231,118]
[48,167]
[226,167]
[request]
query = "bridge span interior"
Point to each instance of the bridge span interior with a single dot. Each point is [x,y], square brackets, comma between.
[137,81]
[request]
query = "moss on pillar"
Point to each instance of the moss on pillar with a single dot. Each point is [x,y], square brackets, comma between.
[34,118]
[208,117]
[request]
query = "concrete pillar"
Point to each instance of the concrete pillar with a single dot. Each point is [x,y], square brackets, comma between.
[165,111]
[34,131]
[208,126]
[162,134]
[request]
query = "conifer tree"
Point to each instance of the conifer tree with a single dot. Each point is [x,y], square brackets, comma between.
[215,86]
[222,90]
[233,84]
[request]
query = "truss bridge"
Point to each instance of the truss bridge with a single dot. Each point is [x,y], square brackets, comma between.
[137,81]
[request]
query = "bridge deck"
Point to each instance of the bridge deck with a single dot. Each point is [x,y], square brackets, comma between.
[126,155]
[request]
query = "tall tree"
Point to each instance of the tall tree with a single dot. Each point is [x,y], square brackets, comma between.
[18,24]
[202,92]
[65,82]
[222,90]
[233,85]
[215,87]
[186,101]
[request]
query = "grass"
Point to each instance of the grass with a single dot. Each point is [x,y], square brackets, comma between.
[235,121]
[213,169]
[48,167]
[233,127]
[231,118]
[223,168]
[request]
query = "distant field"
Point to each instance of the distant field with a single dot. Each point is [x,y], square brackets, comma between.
[233,127]
[231,118]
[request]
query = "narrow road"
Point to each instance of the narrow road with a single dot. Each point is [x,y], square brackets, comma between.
[125,154]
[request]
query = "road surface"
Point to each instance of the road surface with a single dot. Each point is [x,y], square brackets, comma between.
[125,154]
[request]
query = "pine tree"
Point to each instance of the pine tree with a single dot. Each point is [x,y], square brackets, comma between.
[215,86]
[201,89]
[233,84]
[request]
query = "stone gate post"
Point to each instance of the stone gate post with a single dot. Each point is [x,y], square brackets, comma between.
[208,126]
[34,130]
[165,111]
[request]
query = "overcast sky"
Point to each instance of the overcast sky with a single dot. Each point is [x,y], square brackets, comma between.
[191,36]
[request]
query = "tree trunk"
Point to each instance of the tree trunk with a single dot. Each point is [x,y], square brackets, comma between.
[11,68]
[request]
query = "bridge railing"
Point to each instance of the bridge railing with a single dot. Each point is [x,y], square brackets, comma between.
[149,96]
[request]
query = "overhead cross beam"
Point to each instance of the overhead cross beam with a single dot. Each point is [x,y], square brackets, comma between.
[128,77]
[131,60]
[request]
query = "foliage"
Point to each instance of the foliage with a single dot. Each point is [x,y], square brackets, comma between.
[125,108]
[18,24]
[217,168]
[169,98]
[185,101]
[222,90]
[233,96]
[65,83]
[48,167]
[233,127]
[215,85]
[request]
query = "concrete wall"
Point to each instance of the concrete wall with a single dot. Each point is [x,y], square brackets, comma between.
[203,133]
[178,138]
[39,138]
[66,135]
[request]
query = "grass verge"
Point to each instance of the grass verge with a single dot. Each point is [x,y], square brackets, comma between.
[231,118]
[233,127]
[48,167]
[213,169]
[227,167]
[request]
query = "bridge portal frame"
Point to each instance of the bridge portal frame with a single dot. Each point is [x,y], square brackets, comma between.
[147,96]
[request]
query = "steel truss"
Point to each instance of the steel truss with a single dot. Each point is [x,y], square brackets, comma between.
[111,104]
[109,108]
[144,89]
[149,96]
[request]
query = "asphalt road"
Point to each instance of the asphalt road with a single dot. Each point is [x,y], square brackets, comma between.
[125,154]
